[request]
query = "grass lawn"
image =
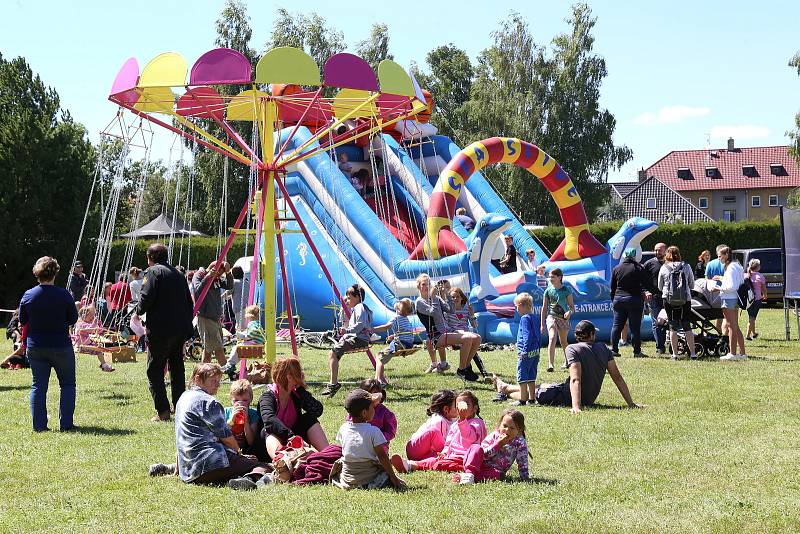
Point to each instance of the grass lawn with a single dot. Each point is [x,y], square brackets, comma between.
[716,449]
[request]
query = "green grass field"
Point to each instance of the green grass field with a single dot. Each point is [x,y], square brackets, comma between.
[716,450]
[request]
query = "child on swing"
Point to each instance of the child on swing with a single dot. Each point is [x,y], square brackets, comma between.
[253,334]
[401,338]
[462,319]
[354,336]
[82,338]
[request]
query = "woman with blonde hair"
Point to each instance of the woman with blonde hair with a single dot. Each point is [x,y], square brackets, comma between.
[732,278]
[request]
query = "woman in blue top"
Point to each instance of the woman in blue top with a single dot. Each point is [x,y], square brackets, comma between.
[49,311]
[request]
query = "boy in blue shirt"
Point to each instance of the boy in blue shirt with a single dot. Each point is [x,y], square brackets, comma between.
[528,342]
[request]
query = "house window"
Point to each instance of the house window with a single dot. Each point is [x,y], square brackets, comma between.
[773,200]
[749,170]
[777,169]
[684,173]
[729,215]
[755,201]
[729,199]
[651,203]
[712,172]
[702,203]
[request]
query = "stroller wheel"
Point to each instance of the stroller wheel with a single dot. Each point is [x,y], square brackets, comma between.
[723,348]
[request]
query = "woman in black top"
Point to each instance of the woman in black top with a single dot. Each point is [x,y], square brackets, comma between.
[628,282]
[702,261]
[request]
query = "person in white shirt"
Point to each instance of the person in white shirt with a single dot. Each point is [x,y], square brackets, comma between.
[729,293]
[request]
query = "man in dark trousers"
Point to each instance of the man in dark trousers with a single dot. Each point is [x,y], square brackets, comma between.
[166,300]
[652,266]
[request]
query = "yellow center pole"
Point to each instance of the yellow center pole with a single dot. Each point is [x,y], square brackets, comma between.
[267,113]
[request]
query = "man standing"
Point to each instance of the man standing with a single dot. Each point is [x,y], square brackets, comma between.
[210,311]
[166,300]
[78,282]
[653,266]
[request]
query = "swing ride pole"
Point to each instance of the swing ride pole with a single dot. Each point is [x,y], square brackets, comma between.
[287,299]
[268,119]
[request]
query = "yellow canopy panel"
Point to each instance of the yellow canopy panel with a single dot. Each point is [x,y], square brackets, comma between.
[165,70]
[286,64]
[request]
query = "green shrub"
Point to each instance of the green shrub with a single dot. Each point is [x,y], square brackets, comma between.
[692,239]
[203,251]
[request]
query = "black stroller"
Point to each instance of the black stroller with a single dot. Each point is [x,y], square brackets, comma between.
[708,339]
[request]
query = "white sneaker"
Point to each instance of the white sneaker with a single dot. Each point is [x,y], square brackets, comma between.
[443,366]
[466,478]
[733,357]
[433,368]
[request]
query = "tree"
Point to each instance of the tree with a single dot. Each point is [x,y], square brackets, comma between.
[233,29]
[794,148]
[46,164]
[550,97]
[322,41]
[613,210]
[376,48]
[450,83]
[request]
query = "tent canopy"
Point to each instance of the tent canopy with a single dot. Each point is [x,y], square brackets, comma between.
[161,226]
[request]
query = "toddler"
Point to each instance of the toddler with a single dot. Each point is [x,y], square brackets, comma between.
[384,419]
[82,340]
[244,420]
[560,306]
[492,459]
[364,462]
[402,337]
[253,334]
[467,431]
[428,440]
[527,349]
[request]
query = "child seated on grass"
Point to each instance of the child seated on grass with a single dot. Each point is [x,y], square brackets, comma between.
[384,419]
[469,430]
[253,334]
[527,349]
[354,336]
[429,439]
[402,337]
[87,326]
[365,462]
[492,459]
[244,421]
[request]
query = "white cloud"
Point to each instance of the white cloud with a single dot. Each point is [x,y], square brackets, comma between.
[740,132]
[671,115]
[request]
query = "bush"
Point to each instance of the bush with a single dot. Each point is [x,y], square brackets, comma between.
[203,251]
[692,239]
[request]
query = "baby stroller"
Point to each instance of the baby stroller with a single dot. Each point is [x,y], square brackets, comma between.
[706,310]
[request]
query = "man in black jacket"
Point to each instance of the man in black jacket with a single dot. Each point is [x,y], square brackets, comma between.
[166,300]
[628,282]
[652,266]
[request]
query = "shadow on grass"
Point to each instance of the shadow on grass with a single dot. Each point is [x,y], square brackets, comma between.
[13,388]
[121,399]
[544,481]
[101,431]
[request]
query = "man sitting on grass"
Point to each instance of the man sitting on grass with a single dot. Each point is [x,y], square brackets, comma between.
[588,361]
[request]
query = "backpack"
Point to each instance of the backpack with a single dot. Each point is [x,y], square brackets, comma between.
[746,294]
[675,290]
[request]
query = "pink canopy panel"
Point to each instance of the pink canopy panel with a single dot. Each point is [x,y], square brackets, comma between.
[124,84]
[221,66]
[351,72]
[202,102]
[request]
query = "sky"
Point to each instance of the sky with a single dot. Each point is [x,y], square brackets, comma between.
[681,74]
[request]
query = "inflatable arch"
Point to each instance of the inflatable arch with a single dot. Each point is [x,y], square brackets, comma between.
[441,241]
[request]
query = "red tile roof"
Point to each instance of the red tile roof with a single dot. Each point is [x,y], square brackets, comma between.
[729,163]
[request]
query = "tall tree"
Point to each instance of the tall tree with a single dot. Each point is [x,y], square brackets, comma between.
[46,164]
[376,48]
[550,97]
[450,83]
[794,148]
[233,29]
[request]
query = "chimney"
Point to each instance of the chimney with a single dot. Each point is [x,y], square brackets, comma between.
[642,175]
[730,144]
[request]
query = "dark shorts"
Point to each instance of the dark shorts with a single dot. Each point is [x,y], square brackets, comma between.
[527,367]
[754,308]
[554,394]
[679,317]
[347,343]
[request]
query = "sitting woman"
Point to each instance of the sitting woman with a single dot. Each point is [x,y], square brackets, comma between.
[431,306]
[207,450]
[288,409]
[84,340]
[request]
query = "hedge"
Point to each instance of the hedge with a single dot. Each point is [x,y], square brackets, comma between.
[691,239]
[203,251]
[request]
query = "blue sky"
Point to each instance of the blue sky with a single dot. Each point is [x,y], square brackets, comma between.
[681,74]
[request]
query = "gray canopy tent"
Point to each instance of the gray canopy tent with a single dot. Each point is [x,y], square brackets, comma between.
[162,226]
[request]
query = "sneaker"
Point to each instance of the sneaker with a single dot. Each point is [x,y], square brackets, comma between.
[267,479]
[161,417]
[659,352]
[468,374]
[748,338]
[230,371]
[500,397]
[331,389]
[443,366]
[755,336]
[550,369]
[433,368]
[161,470]
[466,478]
[519,403]
[674,357]
[639,355]
[106,367]
[564,366]
[733,357]
[242,484]
[400,464]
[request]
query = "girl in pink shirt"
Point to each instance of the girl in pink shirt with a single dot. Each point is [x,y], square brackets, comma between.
[82,340]
[428,440]
[759,292]
[467,431]
[493,458]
